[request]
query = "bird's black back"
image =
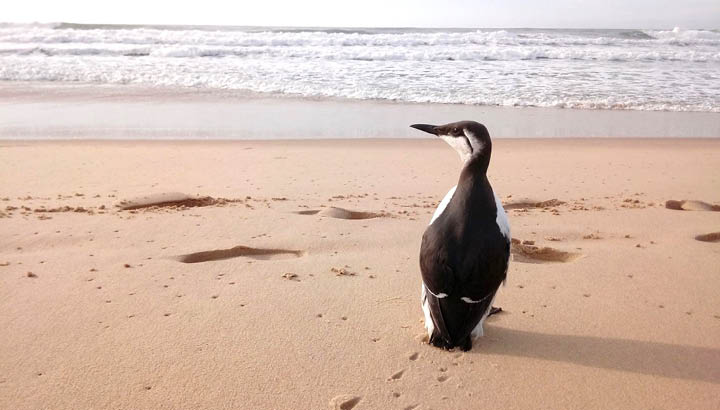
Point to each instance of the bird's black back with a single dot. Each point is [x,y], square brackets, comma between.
[464,254]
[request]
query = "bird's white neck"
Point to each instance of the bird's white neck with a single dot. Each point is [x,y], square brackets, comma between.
[466,146]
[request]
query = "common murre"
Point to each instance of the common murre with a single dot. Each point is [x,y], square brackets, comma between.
[465,250]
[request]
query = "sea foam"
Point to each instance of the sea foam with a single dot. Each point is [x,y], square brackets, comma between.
[596,69]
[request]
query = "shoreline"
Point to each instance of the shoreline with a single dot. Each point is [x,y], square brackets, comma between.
[33,110]
[62,90]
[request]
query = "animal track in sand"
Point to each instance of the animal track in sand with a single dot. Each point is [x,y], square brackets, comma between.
[172,200]
[691,205]
[534,254]
[529,203]
[341,213]
[291,276]
[239,251]
[344,402]
[709,237]
[308,212]
[396,375]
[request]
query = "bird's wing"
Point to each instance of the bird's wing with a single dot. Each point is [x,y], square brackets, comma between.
[455,319]
[486,272]
[472,313]
[454,314]
[438,320]
[435,265]
[438,279]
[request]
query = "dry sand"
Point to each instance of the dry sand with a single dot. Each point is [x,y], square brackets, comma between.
[284,275]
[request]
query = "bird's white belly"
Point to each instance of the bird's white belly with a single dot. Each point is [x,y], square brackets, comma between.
[501,218]
[429,325]
[443,204]
[478,330]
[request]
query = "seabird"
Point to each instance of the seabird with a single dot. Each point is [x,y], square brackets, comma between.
[465,249]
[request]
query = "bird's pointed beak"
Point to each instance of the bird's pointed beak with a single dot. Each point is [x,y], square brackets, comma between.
[431,129]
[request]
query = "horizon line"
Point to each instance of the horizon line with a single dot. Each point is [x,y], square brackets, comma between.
[59,23]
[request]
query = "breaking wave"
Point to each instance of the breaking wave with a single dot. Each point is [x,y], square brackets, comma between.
[604,69]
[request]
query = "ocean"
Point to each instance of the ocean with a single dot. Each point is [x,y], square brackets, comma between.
[649,70]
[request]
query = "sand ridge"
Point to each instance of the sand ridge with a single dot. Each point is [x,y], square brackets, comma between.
[172,200]
[341,213]
[691,205]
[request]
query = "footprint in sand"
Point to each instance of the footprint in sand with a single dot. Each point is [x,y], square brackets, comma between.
[344,402]
[691,205]
[308,212]
[396,376]
[340,213]
[534,254]
[709,237]
[239,251]
[172,200]
[530,203]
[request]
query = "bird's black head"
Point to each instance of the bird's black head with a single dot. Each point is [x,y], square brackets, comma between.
[468,138]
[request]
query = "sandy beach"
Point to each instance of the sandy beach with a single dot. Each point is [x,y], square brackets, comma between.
[284,275]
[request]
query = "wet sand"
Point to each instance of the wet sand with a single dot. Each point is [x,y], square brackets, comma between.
[38,110]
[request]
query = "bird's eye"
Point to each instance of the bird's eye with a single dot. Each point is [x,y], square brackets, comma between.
[456,131]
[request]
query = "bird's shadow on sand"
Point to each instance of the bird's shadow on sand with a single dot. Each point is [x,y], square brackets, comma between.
[652,358]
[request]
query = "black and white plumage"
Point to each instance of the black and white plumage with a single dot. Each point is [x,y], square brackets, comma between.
[465,250]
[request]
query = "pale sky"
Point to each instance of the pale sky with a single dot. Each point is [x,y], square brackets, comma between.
[377,13]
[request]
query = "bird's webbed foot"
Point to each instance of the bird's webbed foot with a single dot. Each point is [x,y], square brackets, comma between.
[438,341]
